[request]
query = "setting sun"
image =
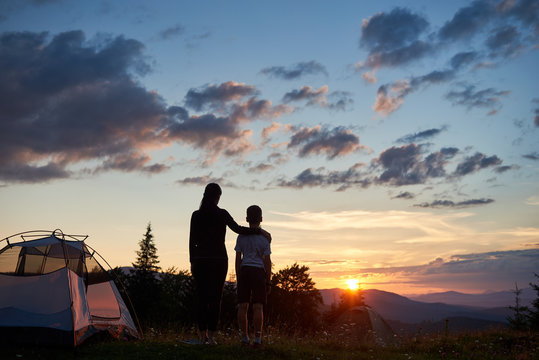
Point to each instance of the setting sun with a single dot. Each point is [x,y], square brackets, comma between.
[353,284]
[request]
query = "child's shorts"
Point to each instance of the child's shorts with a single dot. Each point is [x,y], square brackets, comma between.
[252,285]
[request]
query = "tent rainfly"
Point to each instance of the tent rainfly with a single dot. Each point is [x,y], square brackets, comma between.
[54,291]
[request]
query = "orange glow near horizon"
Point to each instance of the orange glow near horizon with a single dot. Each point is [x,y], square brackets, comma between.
[352,284]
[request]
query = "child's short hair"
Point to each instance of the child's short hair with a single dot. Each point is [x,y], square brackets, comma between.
[254,214]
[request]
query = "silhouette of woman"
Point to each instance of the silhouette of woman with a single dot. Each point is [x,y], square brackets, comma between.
[209,259]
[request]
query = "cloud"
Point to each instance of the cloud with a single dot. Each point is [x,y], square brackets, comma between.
[308,94]
[295,71]
[337,100]
[467,22]
[399,38]
[533,200]
[215,134]
[267,131]
[393,38]
[531,156]
[475,163]
[216,96]
[464,58]
[391,96]
[525,11]
[480,271]
[396,166]
[132,161]
[67,101]
[424,250]
[318,140]
[204,180]
[505,41]
[404,195]
[260,168]
[405,165]
[322,178]
[421,136]
[172,32]
[469,97]
[437,204]
[255,108]
[393,30]
[505,168]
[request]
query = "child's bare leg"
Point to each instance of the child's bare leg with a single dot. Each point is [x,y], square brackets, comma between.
[258,320]
[242,321]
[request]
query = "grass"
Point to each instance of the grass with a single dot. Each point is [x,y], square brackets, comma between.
[491,345]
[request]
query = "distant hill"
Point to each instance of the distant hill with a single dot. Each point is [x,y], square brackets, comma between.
[487,300]
[399,308]
[452,325]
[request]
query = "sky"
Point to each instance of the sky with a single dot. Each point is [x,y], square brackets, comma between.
[392,142]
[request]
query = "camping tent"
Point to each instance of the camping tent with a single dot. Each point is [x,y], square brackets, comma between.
[54,291]
[363,323]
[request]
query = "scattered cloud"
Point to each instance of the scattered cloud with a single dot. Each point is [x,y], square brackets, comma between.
[467,21]
[533,200]
[204,180]
[400,37]
[505,42]
[172,32]
[475,163]
[404,195]
[306,93]
[336,100]
[396,166]
[322,178]
[66,101]
[295,71]
[391,96]
[393,39]
[438,204]
[405,165]
[505,168]
[494,270]
[463,59]
[260,168]
[470,98]
[340,100]
[421,136]
[216,96]
[531,156]
[320,140]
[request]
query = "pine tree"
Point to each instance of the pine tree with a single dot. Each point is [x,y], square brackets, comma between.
[533,313]
[518,321]
[147,255]
[143,286]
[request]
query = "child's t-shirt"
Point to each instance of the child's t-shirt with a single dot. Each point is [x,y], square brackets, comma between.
[254,248]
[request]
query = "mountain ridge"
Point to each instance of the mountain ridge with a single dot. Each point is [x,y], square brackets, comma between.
[399,308]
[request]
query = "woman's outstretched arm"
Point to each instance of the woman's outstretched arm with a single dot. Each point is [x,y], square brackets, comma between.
[243,230]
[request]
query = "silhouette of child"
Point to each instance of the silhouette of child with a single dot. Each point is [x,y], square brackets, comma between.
[253,271]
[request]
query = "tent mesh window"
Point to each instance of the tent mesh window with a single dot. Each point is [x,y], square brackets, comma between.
[9,257]
[38,260]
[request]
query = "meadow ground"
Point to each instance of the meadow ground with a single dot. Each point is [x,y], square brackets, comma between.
[491,345]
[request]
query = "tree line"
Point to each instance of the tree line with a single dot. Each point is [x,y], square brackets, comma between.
[166,299]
